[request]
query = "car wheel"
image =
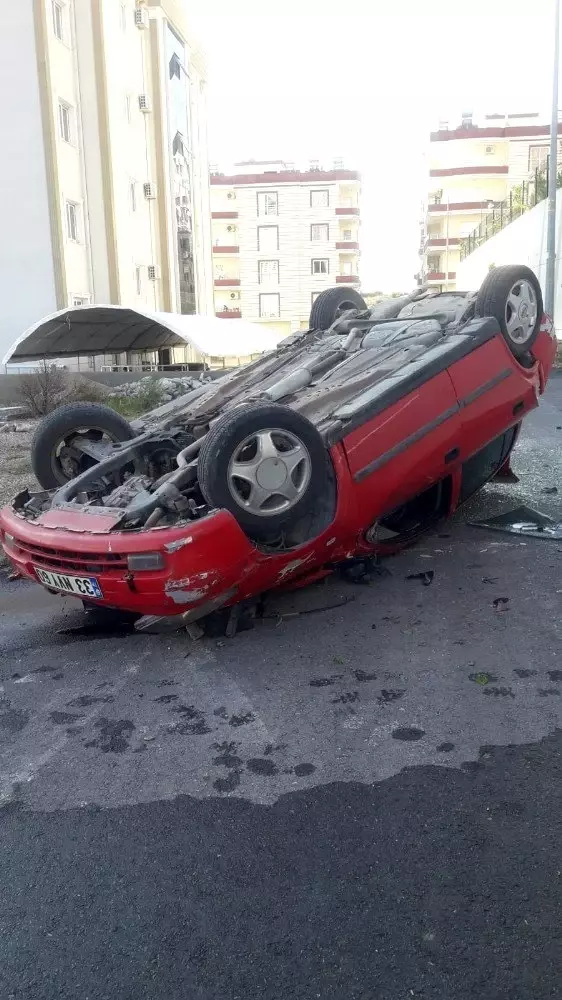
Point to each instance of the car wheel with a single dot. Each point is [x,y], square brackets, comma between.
[512,295]
[264,463]
[55,459]
[329,304]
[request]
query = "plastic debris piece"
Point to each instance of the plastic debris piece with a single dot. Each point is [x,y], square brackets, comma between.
[522,520]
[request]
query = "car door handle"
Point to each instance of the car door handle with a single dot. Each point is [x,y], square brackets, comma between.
[452,455]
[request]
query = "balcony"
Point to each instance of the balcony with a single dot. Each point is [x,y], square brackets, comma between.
[227,313]
[347,245]
[226,249]
[224,215]
[439,276]
[457,206]
[346,279]
[227,282]
[348,210]
[435,241]
[493,168]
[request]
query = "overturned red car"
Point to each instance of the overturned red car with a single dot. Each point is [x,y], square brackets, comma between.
[349,440]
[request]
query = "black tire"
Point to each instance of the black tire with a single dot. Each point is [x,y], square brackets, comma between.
[326,307]
[220,445]
[492,300]
[60,424]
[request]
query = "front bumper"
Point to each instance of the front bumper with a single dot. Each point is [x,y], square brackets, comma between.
[202,560]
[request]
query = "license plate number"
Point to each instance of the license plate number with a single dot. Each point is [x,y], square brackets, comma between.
[83,586]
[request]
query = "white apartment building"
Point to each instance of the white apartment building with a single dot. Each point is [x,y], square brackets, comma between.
[477,169]
[281,236]
[104,187]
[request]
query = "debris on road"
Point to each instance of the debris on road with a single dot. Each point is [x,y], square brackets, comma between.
[426,578]
[501,604]
[363,570]
[523,520]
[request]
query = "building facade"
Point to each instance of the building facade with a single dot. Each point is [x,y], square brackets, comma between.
[281,236]
[105,193]
[474,171]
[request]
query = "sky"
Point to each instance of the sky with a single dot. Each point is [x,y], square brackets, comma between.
[367,82]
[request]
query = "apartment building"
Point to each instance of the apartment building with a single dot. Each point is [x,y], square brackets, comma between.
[104,174]
[473,167]
[281,236]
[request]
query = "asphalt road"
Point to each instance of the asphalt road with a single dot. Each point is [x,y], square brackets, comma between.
[364,802]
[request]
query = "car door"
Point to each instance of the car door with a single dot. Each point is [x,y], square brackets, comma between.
[494,394]
[403,448]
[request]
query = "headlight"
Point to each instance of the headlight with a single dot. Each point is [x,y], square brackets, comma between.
[145,560]
[10,542]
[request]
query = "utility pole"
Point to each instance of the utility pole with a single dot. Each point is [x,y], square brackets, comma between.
[447,243]
[552,174]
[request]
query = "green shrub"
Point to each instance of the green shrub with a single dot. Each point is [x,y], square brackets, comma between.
[146,399]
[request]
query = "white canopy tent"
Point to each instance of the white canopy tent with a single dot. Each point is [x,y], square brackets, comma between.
[94,330]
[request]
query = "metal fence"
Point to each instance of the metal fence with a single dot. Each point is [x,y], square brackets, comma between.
[521,198]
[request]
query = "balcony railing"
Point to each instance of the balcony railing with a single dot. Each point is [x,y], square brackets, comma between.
[347,245]
[521,198]
[346,279]
[348,210]
[440,276]
[227,313]
[226,249]
[224,215]
[441,241]
[226,282]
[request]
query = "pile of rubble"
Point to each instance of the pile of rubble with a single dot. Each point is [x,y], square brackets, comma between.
[166,388]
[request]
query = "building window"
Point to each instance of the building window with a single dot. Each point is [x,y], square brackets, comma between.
[66,123]
[321,266]
[267,203]
[490,150]
[269,305]
[73,221]
[347,267]
[80,300]
[538,157]
[138,280]
[268,238]
[268,272]
[347,234]
[319,233]
[58,20]
[175,67]
[434,263]
[133,195]
[319,199]
[436,197]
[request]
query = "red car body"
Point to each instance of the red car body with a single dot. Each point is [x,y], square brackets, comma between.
[427,436]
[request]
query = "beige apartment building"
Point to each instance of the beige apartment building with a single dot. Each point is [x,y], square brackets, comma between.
[104,173]
[281,236]
[473,167]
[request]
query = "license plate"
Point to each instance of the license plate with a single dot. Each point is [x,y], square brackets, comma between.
[83,586]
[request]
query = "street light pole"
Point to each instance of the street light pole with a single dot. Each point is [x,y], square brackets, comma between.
[552,172]
[447,243]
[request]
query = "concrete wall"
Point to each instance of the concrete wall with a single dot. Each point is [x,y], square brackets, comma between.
[522,242]
[9,383]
